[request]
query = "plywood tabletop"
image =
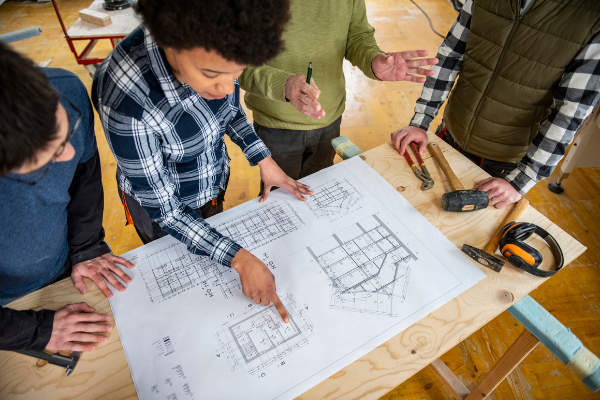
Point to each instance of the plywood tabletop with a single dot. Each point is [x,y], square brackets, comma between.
[123,23]
[104,374]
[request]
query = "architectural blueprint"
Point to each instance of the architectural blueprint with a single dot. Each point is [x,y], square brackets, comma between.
[262,226]
[334,199]
[258,338]
[368,266]
[355,265]
[173,270]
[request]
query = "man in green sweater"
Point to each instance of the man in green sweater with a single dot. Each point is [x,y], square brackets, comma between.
[297,121]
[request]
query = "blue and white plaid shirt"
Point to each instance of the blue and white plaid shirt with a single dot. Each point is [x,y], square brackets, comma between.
[574,98]
[169,141]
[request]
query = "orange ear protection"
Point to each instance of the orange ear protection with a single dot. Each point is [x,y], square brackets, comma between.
[523,256]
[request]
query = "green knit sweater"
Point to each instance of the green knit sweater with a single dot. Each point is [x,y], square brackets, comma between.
[323,32]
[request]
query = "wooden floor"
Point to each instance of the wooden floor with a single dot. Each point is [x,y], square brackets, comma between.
[373,110]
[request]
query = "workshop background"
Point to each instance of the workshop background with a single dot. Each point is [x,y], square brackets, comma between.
[373,111]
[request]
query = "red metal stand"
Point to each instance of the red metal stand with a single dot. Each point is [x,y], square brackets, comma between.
[82,58]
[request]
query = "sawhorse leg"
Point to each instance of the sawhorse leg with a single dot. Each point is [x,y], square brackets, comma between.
[542,327]
[507,363]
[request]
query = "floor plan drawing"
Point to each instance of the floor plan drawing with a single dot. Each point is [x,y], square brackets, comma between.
[354,268]
[174,270]
[334,199]
[259,338]
[368,267]
[262,226]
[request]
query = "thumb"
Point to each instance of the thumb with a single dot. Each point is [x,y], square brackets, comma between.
[422,146]
[389,59]
[79,284]
[265,194]
[404,144]
[83,307]
[312,89]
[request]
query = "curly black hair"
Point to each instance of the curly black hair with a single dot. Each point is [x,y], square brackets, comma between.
[247,32]
[27,110]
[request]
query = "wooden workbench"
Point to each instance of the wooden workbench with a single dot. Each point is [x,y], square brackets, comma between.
[123,23]
[104,374]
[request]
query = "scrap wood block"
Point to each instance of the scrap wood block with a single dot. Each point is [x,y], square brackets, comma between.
[95,17]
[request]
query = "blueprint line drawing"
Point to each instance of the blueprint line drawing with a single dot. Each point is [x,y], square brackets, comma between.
[350,279]
[334,199]
[259,338]
[168,345]
[174,270]
[262,226]
[164,346]
[368,267]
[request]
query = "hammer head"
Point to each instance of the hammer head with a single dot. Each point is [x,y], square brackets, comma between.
[465,200]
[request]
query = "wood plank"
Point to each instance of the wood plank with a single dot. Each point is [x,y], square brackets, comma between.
[95,17]
[375,374]
[509,361]
[558,339]
[373,111]
[379,371]
[124,22]
[456,388]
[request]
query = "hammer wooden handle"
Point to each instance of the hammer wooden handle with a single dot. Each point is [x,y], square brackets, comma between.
[439,156]
[513,216]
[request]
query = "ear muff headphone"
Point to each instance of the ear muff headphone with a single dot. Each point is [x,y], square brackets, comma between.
[523,256]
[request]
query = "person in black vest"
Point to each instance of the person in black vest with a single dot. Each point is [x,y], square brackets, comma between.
[529,76]
[51,206]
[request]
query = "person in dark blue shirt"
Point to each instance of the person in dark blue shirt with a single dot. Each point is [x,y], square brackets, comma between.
[51,206]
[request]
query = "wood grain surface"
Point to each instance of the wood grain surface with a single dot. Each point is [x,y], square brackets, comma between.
[375,374]
[373,110]
[104,372]
[507,363]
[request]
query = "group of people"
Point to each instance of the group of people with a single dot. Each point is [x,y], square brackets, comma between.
[169,92]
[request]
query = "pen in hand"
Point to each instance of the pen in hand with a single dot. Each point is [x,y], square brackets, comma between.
[304,94]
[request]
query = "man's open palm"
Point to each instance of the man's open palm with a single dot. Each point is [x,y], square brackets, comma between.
[403,66]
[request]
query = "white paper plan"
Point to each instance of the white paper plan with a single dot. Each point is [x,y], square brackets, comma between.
[354,266]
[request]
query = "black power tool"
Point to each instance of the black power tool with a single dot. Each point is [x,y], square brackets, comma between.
[112,5]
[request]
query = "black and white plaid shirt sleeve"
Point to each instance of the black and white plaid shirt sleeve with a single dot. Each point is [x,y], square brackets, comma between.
[573,100]
[169,142]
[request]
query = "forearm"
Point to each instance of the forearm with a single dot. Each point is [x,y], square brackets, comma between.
[361,46]
[438,86]
[163,204]
[21,330]
[85,211]
[574,98]
[265,81]
[241,132]
[146,178]
[185,225]
[549,146]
